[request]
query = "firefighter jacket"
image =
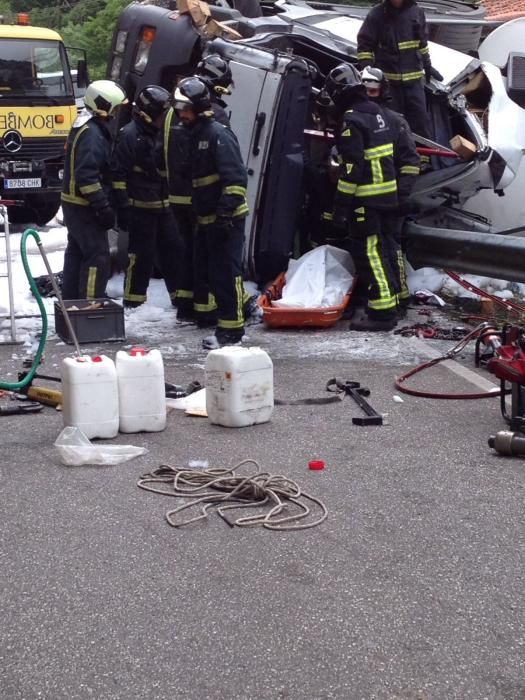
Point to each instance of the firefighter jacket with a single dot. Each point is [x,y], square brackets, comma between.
[87,164]
[395,40]
[136,180]
[406,157]
[366,158]
[218,174]
[173,153]
[218,108]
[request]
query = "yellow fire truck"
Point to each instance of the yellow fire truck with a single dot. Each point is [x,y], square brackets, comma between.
[37,110]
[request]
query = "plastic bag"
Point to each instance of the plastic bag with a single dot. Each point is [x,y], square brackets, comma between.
[196,400]
[75,449]
[319,279]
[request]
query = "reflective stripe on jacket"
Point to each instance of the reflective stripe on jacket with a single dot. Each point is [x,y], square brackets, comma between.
[173,154]
[366,155]
[136,180]
[395,40]
[87,173]
[219,177]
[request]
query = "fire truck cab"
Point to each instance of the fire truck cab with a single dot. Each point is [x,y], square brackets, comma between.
[37,110]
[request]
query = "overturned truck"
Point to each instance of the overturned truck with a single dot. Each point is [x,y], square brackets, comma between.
[279,61]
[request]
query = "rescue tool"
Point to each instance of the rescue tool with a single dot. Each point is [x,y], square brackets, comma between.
[357,392]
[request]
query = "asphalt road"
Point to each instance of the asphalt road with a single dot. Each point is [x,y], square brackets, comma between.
[411,590]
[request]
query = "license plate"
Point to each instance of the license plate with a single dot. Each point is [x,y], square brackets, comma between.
[22,182]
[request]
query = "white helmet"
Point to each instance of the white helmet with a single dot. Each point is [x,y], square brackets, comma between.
[103,97]
[371,75]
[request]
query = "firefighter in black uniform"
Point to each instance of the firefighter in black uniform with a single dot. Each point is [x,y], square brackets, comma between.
[141,195]
[406,159]
[394,37]
[366,194]
[174,162]
[219,181]
[216,74]
[86,192]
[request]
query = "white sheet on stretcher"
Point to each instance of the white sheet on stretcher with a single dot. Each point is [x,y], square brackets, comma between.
[320,278]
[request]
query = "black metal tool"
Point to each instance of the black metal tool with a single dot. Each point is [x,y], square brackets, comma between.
[357,392]
[29,407]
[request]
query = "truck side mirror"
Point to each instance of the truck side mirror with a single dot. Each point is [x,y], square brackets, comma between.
[82,74]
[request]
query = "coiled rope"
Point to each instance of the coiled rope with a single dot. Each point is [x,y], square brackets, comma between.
[280,502]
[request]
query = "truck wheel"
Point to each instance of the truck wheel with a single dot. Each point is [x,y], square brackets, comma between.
[38,213]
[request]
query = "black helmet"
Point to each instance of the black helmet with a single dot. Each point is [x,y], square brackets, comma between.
[215,72]
[343,83]
[152,102]
[193,93]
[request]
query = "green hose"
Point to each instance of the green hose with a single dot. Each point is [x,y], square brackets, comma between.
[17,386]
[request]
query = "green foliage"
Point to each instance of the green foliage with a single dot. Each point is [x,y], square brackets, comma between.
[6,10]
[94,34]
[51,17]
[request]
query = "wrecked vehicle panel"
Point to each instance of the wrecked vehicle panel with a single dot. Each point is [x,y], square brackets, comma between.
[278,67]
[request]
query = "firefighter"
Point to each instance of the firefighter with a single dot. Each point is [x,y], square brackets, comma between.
[174,164]
[407,165]
[366,194]
[142,198]
[394,37]
[86,192]
[219,181]
[215,73]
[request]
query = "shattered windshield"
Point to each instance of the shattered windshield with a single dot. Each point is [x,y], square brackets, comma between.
[33,68]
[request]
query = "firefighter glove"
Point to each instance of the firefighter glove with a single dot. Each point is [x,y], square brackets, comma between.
[123,218]
[224,222]
[340,220]
[431,72]
[406,207]
[105,217]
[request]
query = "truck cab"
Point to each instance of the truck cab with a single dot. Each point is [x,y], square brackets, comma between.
[37,110]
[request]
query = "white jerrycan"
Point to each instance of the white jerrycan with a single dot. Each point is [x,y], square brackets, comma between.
[141,390]
[90,395]
[239,386]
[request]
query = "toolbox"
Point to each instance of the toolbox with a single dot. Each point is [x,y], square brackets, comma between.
[295,317]
[93,320]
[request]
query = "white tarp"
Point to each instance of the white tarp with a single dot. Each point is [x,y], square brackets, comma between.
[320,278]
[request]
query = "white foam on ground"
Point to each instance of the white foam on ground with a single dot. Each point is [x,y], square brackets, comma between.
[155,321]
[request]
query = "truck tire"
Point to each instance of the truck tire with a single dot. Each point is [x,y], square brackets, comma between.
[37,212]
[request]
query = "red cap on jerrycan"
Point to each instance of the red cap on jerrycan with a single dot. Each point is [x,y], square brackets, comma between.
[135,352]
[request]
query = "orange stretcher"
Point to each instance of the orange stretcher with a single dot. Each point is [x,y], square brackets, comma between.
[298,317]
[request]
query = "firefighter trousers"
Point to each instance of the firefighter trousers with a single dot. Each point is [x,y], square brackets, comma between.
[370,252]
[153,237]
[393,229]
[408,98]
[185,219]
[218,275]
[87,264]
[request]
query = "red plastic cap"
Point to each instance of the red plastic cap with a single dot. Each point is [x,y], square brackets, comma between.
[316,465]
[134,352]
[97,358]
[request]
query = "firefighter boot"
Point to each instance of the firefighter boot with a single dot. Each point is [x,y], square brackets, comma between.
[372,325]
[222,338]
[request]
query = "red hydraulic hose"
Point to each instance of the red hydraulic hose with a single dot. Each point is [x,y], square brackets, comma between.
[399,382]
[506,304]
